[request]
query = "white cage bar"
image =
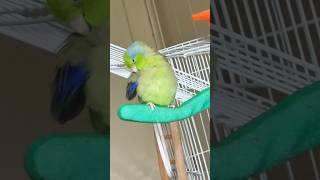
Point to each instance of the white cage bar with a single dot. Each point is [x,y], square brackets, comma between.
[265,49]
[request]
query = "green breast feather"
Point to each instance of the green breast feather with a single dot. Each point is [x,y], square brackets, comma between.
[157,83]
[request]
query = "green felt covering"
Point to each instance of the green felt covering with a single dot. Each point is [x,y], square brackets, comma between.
[290,128]
[143,113]
[69,157]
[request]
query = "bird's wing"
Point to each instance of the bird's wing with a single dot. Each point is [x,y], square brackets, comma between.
[132,86]
[68,98]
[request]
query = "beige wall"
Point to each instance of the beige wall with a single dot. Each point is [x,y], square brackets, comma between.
[160,23]
[176,22]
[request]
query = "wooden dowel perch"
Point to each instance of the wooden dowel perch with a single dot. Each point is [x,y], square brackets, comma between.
[178,151]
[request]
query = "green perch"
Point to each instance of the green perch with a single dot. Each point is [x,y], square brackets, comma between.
[67,156]
[142,113]
[284,131]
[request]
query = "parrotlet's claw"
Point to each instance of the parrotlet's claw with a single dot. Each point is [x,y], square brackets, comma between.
[172,106]
[151,105]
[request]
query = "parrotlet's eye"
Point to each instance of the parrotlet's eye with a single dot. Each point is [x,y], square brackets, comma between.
[133,60]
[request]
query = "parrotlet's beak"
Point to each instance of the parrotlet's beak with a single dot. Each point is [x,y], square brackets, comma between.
[134,69]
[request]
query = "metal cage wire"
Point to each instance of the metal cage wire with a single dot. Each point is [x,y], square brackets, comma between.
[191,63]
[266,49]
[31,22]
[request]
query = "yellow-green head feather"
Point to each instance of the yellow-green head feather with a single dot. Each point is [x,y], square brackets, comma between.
[135,56]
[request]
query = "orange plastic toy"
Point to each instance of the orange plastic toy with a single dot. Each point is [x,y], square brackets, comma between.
[203,15]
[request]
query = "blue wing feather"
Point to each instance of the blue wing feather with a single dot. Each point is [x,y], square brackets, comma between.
[68,97]
[131,90]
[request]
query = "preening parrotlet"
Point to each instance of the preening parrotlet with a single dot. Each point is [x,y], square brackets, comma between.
[153,79]
[81,78]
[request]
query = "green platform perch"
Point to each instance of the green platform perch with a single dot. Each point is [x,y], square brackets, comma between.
[286,130]
[69,157]
[143,114]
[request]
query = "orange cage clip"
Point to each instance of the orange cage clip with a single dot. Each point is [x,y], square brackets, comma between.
[201,16]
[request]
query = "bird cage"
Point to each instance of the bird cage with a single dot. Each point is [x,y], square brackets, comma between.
[191,64]
[31,22]
[266,50]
